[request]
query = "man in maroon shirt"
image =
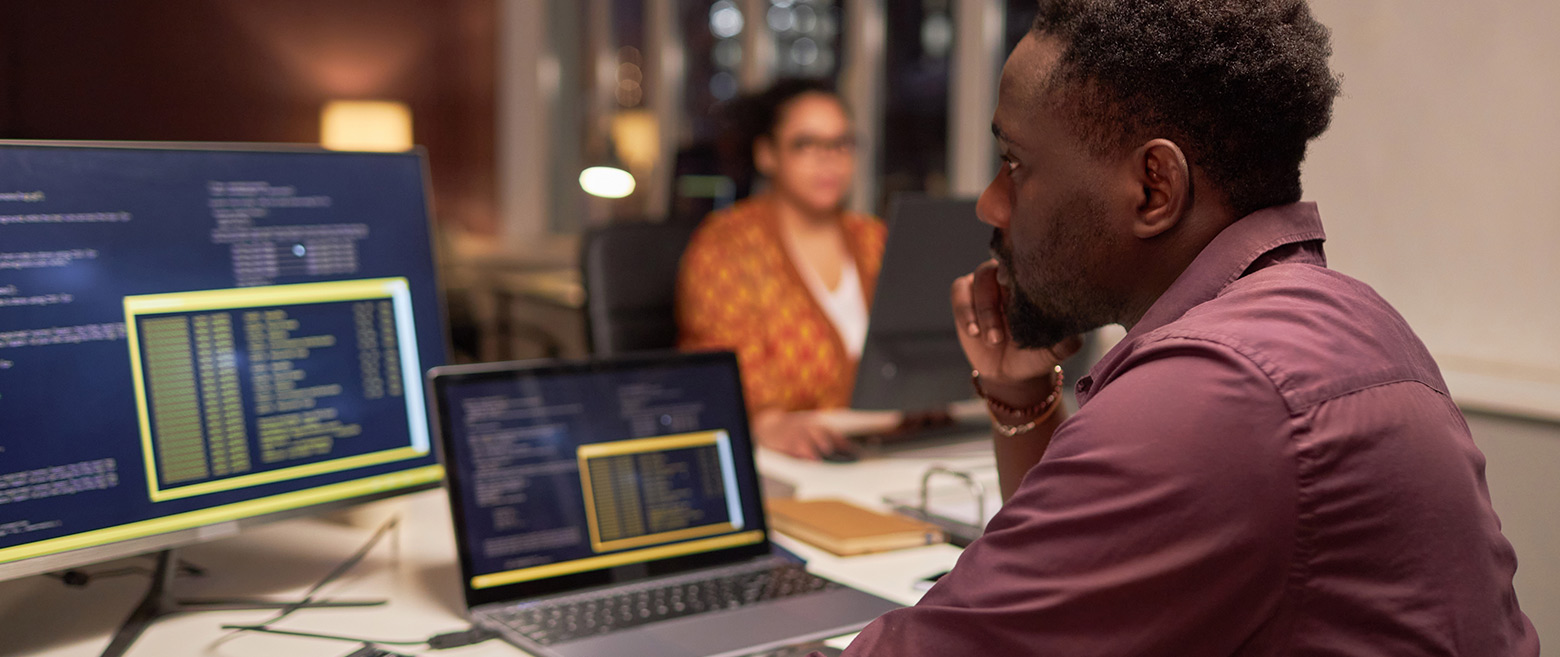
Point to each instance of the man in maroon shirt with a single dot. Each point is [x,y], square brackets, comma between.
[1269,463]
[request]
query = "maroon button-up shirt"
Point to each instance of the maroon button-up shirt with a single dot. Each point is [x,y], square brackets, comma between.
[1268,464]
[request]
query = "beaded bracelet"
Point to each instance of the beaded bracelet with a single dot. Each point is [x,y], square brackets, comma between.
[1041,411]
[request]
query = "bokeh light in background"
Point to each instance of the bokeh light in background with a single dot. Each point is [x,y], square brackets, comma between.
[805,32]
[937,35]
[630,77]
[726,23]
[636,137]
[607,182]
[725,19]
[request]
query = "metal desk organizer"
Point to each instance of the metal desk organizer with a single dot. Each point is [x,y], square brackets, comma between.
[918,506]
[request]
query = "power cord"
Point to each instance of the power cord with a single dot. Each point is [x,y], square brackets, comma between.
[460,639]
[444,641]
[349,564]
[371,650]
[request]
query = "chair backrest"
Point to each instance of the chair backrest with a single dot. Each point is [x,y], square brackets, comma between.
[630,277]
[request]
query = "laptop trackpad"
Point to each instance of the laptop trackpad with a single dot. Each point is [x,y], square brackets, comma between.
[737,631]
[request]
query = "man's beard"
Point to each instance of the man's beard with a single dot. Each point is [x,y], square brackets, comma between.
[1061,306]
[1034,327]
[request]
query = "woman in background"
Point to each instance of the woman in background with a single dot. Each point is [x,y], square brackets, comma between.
[784,278]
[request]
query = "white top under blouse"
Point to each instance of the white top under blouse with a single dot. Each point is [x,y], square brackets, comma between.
[846,304]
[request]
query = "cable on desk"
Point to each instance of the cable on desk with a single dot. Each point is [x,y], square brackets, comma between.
[332,576]
[340,570]
[315,635]
[371,650]
[460,639]
[444,641]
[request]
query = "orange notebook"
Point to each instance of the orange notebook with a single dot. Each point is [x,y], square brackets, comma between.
[845,529]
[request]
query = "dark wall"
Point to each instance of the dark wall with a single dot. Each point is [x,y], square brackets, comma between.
[249,70]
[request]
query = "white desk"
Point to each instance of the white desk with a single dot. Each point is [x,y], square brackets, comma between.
[41,616]
[882,471]
[891,574]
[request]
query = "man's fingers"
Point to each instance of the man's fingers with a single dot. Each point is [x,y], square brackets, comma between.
[986,301]
[963,312]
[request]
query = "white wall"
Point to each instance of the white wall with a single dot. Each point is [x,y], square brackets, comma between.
[1439,185]
[1523,457]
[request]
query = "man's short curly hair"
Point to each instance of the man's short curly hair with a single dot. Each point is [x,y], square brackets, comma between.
[1240,85]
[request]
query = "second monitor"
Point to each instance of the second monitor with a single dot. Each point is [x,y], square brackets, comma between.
[195,338]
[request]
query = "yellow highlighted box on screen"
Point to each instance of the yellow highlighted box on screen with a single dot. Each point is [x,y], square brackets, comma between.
[614,560]
[641,446]
[236,511]
[295,472]
[393,289]
[271,295]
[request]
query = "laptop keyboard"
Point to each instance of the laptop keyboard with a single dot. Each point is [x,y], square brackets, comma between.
[577,617]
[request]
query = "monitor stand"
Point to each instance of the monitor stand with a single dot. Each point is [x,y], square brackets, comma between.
[159,602]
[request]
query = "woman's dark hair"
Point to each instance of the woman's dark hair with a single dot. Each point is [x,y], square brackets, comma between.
[770,104]
[1240,85]
[744,119]
[757,115]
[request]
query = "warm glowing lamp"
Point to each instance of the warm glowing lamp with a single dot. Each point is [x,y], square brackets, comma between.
[636,137]
[366,125]
[607,181]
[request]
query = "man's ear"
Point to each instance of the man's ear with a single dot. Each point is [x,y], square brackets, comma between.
[1166,180]
[764,155]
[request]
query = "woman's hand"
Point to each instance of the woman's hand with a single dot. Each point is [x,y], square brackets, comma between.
[799,434]
[1018,377]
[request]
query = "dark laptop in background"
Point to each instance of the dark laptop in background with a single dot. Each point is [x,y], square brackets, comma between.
[611,507]
[912,360]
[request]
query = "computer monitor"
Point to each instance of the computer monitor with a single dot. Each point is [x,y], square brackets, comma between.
[198,337]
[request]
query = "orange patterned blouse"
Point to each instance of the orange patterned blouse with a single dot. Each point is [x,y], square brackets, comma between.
[739,290]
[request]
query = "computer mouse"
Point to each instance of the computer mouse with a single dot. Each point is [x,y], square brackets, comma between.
[839,456]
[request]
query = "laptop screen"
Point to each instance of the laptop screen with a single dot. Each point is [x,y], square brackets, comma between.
[568,475]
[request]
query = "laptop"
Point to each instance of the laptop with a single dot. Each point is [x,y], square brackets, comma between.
[912,360]
[612,507]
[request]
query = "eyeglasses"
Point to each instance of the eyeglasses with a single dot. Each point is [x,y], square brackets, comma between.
[808,146]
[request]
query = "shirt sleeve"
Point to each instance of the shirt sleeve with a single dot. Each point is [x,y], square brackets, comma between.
[1161,522]
[718,309]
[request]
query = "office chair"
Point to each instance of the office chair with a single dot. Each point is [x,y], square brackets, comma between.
[630,276]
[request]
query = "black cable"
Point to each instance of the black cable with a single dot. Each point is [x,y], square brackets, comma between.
[313,635]
[460,639]
[444,641]
[337,573]
[371,650]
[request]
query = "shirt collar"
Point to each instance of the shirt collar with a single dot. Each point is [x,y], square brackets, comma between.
[1225,259]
